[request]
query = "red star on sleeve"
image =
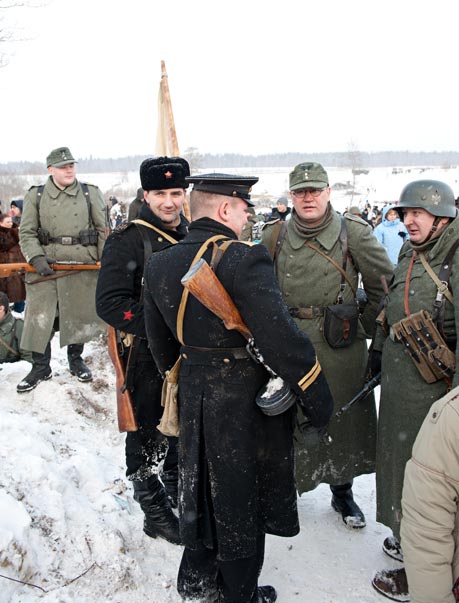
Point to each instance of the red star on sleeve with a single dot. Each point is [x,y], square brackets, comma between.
[128,315]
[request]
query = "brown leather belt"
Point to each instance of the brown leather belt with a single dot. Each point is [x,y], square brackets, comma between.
[308,312]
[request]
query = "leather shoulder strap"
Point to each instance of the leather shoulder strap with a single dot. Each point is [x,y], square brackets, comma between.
[183,301]
[158,230]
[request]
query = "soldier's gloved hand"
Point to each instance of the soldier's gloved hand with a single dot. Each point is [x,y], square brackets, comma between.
[316,402]
[374,362]
[314,435]
[41,263]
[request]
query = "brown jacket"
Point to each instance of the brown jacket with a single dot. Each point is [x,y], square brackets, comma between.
[10,252]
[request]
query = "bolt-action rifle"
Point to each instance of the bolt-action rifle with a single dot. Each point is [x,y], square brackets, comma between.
[7,270]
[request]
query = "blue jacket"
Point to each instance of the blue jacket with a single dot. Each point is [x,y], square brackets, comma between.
[389,234]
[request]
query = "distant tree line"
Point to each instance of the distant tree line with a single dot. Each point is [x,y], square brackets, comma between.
[234,160]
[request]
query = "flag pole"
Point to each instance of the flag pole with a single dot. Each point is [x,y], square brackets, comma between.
[170,116]
[166,141]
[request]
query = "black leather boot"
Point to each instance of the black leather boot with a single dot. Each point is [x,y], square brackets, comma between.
[343,502]
[159,518]
[265,594]
[41,371]
[76,365]
[170,481]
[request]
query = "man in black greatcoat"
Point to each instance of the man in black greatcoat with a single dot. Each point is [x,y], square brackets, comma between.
[119,302]
[236,480]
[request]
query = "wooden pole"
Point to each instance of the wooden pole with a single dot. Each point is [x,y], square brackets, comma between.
[170,115]
[171,127]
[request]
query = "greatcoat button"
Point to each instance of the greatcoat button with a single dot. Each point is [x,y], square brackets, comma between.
[226,360]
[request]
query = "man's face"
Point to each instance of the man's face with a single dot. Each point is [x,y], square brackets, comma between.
[237,215]
[15,210]
[63,176]
[311,204]
[418,223]
[282,207]
[166,204]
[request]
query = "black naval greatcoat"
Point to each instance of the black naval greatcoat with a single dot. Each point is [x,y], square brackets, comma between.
[236,478]
[118,303]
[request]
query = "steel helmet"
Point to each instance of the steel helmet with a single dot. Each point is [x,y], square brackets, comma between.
[432,195]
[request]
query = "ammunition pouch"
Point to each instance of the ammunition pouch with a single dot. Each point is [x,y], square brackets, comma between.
[88,237]
[426,347]
[43,236]
[341,322]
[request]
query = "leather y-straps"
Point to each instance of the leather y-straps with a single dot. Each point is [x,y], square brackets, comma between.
[183,301]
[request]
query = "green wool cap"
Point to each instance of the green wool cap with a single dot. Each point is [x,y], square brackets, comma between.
[308,175]
[59,157]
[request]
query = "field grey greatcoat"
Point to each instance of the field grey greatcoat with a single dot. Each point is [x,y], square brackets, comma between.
[62,213]
[405,396]
[308,279]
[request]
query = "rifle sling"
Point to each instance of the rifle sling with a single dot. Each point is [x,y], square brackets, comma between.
[8,347]
[52,277]
[185,294]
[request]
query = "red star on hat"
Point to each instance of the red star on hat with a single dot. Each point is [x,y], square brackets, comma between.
[128,315]
[168,174]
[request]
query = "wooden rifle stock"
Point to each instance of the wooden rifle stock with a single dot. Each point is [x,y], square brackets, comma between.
[7,270]
[202,282]
[126,417]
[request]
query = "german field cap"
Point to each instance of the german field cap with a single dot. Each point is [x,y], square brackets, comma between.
[225,184]
[59,157]
[307,175]
[157,173]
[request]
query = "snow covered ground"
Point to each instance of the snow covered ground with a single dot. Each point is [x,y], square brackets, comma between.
[68,523]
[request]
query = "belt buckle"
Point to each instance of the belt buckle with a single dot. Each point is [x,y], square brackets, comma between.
[66,240]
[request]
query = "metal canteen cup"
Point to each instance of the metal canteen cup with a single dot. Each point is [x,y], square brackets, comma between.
[275,397]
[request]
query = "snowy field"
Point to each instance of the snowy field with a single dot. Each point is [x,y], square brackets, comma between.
[68,523]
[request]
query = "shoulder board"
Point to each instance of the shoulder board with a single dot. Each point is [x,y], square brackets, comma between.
[355,218]
[249,243]
[35,186]
[269,223]
[88,184]
[122,227]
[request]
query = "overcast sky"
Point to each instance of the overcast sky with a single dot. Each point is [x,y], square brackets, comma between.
[245,76]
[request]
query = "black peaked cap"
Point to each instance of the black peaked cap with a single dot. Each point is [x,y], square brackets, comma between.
[224,184]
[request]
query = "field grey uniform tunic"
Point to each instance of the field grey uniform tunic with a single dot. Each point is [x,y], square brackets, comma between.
[308,279]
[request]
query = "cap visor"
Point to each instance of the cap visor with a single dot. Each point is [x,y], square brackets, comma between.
[309,184]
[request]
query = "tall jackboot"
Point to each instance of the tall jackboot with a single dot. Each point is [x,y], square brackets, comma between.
[343,502]
[159,518]
[76,365]
[41,371]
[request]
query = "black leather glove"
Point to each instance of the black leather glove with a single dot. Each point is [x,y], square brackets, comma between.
[374,362]
[41,263]
[402,234]
[317,402]
[312,436]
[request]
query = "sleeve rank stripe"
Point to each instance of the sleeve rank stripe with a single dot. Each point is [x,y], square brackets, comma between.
[310,377]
